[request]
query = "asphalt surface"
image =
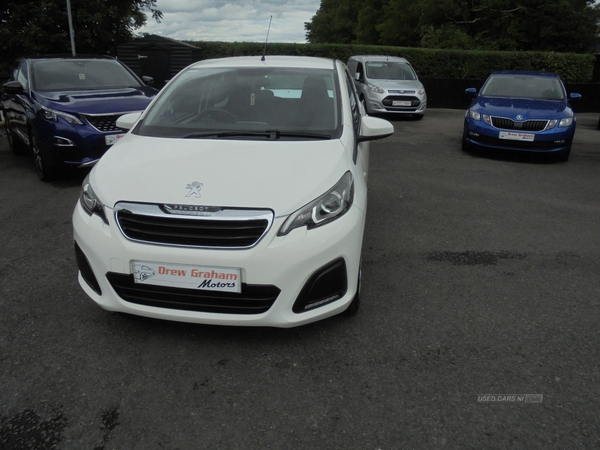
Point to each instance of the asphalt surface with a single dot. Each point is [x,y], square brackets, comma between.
[480,277]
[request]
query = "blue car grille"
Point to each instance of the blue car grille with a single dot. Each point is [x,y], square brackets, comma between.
[106,122]
[528,125]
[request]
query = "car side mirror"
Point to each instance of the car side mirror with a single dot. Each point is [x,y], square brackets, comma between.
[574,96]
[471,91]
[12,87]
[128,121]
[358,76]
[148,80]
[374,128]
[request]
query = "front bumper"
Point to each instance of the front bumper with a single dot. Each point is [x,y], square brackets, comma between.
[393,103]
[73,145]
[478,133]
[281,265]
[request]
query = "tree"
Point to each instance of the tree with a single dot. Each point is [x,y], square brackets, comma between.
[547,25]
[36,27]
[334,22]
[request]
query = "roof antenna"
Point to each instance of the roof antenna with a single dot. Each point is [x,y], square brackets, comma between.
[266,40]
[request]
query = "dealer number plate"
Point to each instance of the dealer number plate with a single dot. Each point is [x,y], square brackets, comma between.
[510,135]
[188,277]
[110,139]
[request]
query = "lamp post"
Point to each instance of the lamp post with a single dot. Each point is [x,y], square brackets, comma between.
[71,27]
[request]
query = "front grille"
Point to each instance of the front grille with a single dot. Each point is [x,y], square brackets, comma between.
[106,122]
[509,124]
[254,299]
[226,228]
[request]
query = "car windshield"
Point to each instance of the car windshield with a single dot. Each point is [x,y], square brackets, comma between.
[80,74]
[272,103]
[524,86]
[390,70]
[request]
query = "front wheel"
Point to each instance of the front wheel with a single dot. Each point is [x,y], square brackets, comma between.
[15,144]
[564,154]
[45,170]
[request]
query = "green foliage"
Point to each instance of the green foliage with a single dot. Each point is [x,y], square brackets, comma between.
[535,25]
[37,27]
[429,63]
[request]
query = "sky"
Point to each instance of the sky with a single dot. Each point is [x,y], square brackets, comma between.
[233,21]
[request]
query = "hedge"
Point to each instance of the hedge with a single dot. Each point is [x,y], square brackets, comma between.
[429,63]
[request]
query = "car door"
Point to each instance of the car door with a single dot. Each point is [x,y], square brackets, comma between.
[17,105]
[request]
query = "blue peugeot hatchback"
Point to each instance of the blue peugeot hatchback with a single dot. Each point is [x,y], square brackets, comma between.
[64,109]
[524,111]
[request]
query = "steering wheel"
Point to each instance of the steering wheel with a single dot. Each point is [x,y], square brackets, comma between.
[217,115]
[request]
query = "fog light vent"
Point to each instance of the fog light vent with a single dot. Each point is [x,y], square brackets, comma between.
[86,270]
[326,285]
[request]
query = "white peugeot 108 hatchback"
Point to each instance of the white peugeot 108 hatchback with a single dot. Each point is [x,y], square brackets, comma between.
[237,198]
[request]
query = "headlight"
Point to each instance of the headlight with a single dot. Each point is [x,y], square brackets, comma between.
[474,115]
[53,115]
[375,89]
[421,91]
[566,122]
[328,207]
[89,202]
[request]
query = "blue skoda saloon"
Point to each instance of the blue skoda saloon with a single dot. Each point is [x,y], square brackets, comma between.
[522,111]
[63,110]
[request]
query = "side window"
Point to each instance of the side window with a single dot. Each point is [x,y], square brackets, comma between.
[360,70]
[20,75]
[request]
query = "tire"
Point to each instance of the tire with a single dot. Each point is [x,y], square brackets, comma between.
[15,144]
[44,168]
[355,303]
[564,155]
[418,116]
[466,147]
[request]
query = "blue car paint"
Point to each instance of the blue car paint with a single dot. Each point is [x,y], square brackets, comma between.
[555,140]
[90,142]
[62,144]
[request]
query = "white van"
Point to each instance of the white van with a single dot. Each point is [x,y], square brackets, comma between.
[388,84]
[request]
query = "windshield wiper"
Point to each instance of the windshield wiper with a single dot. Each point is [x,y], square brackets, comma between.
[268,134]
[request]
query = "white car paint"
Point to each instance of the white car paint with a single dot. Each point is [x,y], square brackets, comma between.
[281,176]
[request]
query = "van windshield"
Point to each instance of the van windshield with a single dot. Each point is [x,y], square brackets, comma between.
[390,70]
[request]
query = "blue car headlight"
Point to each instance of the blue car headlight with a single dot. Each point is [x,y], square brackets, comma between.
[476,115]
[566,122]
[53,115]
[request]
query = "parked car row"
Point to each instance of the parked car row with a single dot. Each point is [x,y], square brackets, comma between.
[237,195]
[64,110]
[521,111]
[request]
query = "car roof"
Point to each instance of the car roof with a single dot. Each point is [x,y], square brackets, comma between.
[269,61]
[379,58]
[525,73]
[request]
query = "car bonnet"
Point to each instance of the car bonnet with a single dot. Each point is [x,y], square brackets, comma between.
[279,175]
[102,101]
